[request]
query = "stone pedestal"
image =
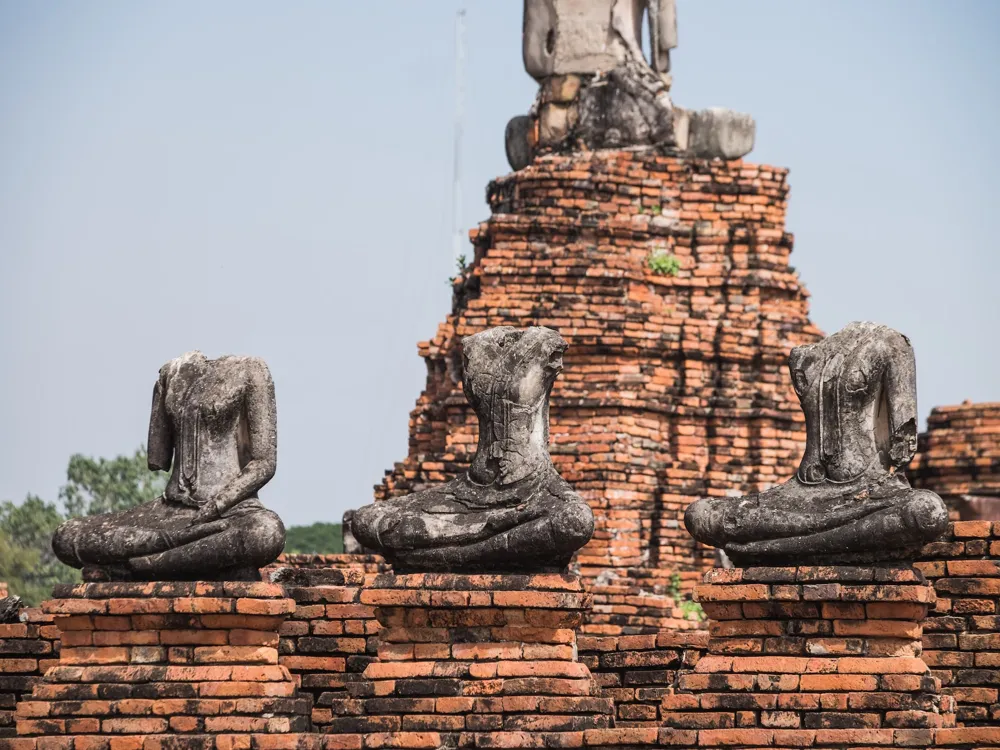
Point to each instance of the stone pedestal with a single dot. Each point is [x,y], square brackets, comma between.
[142,660]
[812,655]
[482,660]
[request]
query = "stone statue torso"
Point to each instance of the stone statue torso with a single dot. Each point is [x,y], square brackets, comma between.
[842,386]
[204,402]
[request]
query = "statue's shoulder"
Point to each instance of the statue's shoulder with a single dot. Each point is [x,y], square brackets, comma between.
[173,366]
[253,368]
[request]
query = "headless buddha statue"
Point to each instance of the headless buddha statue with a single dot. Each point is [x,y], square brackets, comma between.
[215,421]
[511,512]
[849,500]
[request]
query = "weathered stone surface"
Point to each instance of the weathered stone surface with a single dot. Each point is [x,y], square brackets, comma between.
[511,511]
[675,387]
[567,36]
[10,609]
[849,499]
[599,90]
[215,422]
[517,143]
[720,133]
[630,106]
[351,545]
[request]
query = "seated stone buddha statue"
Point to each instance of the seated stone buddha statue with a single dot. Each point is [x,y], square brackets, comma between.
[849,501]
[214,421]
[511,511]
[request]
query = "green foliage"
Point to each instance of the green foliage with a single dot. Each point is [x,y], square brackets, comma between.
[27,562]
[317,539]
[674,589]
[663,263]
[461,265]
[692,610]
[689,608]
[102,486]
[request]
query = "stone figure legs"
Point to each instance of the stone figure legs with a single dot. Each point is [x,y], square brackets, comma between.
[539,534]
[157,541]
[772,527]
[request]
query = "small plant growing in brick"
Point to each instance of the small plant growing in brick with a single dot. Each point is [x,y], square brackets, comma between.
[461,266]
[663,263]
[674,589]
[689,608]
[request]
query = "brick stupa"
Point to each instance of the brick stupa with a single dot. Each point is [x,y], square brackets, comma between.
[669,277]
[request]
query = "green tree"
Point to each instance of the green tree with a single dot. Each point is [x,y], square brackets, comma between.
[31,569]
[100,485]
[319,538]
[93,485]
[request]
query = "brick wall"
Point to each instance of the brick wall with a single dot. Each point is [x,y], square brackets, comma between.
[27,649]
[327,643]
[959,458]
[150,661]
[364,563]
[637,671]
[962,633]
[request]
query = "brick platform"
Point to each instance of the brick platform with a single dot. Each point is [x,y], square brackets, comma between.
[27,649]
[484,660]
[637,671]
[329,640]
[142,659]
[799,653]
[675,386]
[229,741]
[363,562]
[962,635]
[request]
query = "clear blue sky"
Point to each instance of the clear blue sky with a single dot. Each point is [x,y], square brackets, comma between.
[273,179]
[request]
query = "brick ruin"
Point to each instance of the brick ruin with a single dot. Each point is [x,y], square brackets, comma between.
[669,277]
[836,657]
[959,459]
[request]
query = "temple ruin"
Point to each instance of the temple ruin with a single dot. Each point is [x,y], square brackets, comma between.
[636,256]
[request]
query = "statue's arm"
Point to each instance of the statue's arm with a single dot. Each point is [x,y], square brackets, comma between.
[262,430]
[665,32]
[160,445]
[901,399]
